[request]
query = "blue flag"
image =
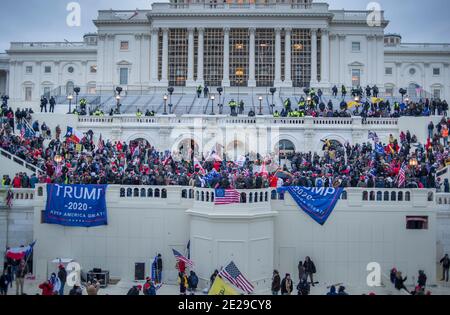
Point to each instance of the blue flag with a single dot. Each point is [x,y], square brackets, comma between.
[318,203]
[76,205]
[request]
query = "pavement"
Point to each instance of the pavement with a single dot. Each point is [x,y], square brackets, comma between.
[122,287]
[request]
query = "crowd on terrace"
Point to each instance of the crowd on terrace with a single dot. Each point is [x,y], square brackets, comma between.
[99,161]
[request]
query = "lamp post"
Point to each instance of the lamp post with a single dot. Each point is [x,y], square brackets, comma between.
[212,104]
[407,100]
[272,91]
[413,162]
[118,104]
[70,98]
[170,90]
[58,158]
[77,91]
[165,104]
[260,98]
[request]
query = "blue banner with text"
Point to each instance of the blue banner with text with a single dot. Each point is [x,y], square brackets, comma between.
[76,205]
[317,202]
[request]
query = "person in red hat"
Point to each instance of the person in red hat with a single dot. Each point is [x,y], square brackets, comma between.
[47,288]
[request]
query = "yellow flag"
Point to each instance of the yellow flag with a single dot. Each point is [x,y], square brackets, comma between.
[221,288]
[352,103]
[376,99]
[78,147]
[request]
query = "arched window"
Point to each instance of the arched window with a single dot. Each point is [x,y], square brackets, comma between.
[197,196]
[266,196]
[69,87]
[203,196]
[136,192]
[164,194]
[372,196]
[129,192]
[250,197]
[143,194]
[184,194]
[400,196]
[261,197]
[393,196]
[41,192]
[207,196]
[212,197]
[286,149]
[386,196]
[150,193]
[122,192]
[281,196]
[344,195]
[256,197]
[191,194]
[157,193]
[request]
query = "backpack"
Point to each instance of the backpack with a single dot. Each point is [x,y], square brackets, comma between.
[194,281]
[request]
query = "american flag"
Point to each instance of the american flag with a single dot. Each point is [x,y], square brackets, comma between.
[227,196]
[180,257]
[401,176]
[373,136]
[232,274]
[100,145]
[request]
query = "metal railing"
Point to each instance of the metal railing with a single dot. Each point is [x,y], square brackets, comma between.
[21,162]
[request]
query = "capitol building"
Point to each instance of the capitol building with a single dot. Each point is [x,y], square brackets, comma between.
[260,52]
[245,45]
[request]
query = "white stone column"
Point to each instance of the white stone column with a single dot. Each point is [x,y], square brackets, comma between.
[370,60]
[190,73]
[154,57]
[7,72]
[334,59]
[200,55]
[145,60]
[325,59]
[313,57]
[342,71]
[380,63]
[165,58]
[277,79]
[100,62]
[287,57]
[226,57]
[251,60]
[38,83]
[138,62]
[13,72]
[110,65]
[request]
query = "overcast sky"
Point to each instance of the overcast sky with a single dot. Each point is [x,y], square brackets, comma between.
[45,20]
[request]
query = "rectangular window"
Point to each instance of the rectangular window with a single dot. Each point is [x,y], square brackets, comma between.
[417,223]
[48,69]
[47,91]
[388,71]
[436,71]
[28,93]
[356,46]
[178,57]
[29,69]
[124,45]
[123,76]
[93,69]
[356,77]
[437,93]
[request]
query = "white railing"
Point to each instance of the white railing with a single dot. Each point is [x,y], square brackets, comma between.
[16,45]
[21,162]
[22,197]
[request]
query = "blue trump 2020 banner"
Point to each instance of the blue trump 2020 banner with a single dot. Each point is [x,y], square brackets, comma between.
[76,205]
[317,202]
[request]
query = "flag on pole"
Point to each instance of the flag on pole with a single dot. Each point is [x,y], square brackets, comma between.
[136,13]
[373,136]
[220,287]
[74,135]
[19,253]
[180,257]
[100,145]
[199,166]
[232,274]
[264,169]
[402,176]
[227,196]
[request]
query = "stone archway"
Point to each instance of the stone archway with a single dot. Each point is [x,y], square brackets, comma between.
[187,149]
[235,149]
[286,149]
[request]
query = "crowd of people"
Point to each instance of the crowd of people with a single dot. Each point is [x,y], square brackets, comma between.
[369,164]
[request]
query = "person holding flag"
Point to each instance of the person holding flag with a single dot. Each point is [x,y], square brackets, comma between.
[234,275]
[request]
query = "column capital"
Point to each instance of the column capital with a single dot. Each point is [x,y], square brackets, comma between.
[200,29]
[370,37]
[226,30]
[288,29]
[146,36]
[251,30]
[325,32]
[102,36]
[138,36]
[398,64]
[154,30]
[165,30]
[277,30]
[38,63]
[379,37]
[333,35]
[190,29]
[110,36]
[341,36]
[313,31]
[84,62]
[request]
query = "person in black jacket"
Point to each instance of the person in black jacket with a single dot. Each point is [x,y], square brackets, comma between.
[400,282]
[52,104]
[62,275]
[159,268]
[276,282]
[135,290]
[310,269]
[286,285]
[422,279]
[445,262]
[303,287]
[76,290]
[4,281]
